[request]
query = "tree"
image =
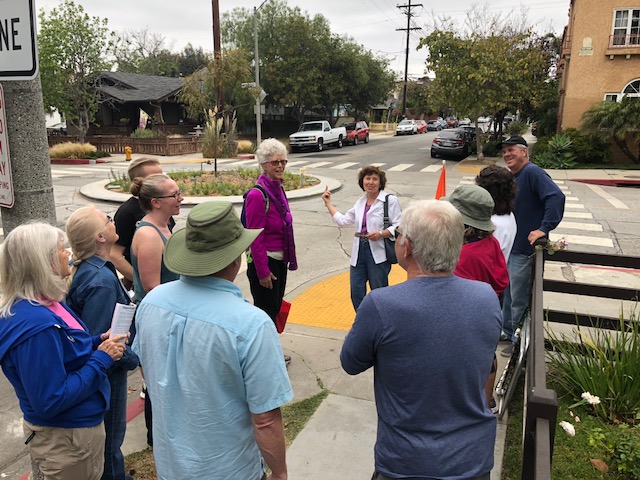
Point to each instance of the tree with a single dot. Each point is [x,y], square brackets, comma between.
[145,52]
[191,60]
[493,65]
[73,47]
[619,121]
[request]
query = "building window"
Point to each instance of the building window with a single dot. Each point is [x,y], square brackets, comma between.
[632,89]
[611,97]
[626,28]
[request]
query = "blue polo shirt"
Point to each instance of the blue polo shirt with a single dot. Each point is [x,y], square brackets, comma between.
[210,360]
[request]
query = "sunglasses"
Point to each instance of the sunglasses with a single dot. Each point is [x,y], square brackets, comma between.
[175,196]
[275,163]
[109,220]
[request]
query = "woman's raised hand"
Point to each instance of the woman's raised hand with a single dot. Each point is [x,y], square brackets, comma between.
[326,196]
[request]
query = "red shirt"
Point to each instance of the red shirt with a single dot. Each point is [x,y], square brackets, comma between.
[483,260]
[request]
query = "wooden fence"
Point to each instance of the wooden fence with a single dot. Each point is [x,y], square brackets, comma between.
[163,146]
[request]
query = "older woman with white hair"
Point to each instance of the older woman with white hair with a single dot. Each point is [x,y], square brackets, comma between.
[273,252]
[58,370]
[93,294]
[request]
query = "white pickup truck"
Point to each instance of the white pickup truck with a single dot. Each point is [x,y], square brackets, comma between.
[316,135]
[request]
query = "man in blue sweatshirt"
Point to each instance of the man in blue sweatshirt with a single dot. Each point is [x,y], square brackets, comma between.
[539,206]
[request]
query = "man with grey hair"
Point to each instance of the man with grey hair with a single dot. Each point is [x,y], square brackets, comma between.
[539,207]
[431,342]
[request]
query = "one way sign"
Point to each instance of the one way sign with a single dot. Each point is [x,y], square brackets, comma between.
[18,46]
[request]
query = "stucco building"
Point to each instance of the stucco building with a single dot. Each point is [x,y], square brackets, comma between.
[600,56]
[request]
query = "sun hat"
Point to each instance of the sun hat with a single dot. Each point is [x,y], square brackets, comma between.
[213,238]
[512,140]
[475,205]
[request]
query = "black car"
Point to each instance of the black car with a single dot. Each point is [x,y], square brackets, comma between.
[454,143]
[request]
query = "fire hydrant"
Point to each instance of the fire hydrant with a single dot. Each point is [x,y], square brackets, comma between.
[127,153]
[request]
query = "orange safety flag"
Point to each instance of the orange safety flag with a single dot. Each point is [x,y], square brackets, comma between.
[441,191]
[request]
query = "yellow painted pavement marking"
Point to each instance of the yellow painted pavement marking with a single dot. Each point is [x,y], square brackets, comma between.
[327,304]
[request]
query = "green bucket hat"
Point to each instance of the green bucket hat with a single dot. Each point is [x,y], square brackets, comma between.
[475,204]
[213,238]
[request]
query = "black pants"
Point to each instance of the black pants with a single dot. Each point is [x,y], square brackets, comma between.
[379,476]
[269,300]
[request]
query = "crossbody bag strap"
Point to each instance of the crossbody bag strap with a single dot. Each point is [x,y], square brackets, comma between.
[385,218]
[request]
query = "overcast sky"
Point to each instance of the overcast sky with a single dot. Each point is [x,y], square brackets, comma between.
[372,23]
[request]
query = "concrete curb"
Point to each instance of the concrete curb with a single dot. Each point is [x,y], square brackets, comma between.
[97,191]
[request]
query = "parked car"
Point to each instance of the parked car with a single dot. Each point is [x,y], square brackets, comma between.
[452,122]
[464,121]
[443,122]
[454,143]
[434,126]
[357,132]
[422,126]
[57,129]
[534,129]
[407,127]
[316,135]
[469,130]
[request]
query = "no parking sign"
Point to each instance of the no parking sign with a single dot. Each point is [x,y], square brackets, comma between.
[6,182]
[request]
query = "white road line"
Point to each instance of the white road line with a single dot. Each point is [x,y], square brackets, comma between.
[573,205]
[240,163]
[400,167]
[344,166]
[582,240]
[577,215]
[609,198]
[592,227]
[74,172]
[571,199]
[466,182]
[297,162]
[559,182]
[377,164]
[563,187]
[432,168]
[319,164]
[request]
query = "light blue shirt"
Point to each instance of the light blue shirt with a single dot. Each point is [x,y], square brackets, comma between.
[210,360]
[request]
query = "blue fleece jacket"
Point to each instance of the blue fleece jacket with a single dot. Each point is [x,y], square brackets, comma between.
[539,205]
[59,377]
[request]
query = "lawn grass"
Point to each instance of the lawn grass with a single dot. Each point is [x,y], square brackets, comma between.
[295,416]
[571,455]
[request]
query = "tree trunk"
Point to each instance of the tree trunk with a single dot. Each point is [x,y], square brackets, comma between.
[622,145]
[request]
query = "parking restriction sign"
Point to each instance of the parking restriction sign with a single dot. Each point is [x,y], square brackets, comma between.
[6,182]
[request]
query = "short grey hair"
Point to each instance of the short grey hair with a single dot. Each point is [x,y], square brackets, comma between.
[523,148]
[270,148]
[29,266]
[436,232]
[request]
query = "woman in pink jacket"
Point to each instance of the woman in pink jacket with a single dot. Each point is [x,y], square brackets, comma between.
[273,253]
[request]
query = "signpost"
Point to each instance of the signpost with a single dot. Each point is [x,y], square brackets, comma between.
[18,46]
[6,182]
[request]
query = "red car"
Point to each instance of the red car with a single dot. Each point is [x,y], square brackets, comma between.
[356,132]
[422,126]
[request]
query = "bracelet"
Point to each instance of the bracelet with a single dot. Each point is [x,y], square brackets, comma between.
[381,235]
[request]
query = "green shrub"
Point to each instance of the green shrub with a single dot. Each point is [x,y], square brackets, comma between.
[588,148]
[539,147]
[516,127]
[490,148]
[72,150]
[146,133]
[603,362]
[558,153]
[220,136]
[98,154]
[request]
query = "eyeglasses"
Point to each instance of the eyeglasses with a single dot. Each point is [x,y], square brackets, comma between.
[175,196]
[398,232]
[275,163]
[109,220]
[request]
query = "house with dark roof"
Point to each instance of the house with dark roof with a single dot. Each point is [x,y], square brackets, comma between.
[125,95]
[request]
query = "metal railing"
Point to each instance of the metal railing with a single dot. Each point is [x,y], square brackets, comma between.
[624,41]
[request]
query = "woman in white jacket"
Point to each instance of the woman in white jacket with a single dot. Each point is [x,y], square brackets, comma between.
[368,258]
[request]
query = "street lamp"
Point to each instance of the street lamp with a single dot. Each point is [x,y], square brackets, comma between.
[257,65]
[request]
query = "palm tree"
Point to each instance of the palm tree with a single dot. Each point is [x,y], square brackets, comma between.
[619,121]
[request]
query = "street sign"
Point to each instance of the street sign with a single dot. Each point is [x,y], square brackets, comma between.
[6,182]
[18,46]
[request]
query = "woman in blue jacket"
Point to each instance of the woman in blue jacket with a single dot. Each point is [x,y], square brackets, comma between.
[58,370]
[93,293]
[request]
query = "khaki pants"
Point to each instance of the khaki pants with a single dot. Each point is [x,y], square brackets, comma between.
[67,453]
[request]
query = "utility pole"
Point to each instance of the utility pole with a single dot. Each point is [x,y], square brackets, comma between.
[408,13]
[258,106]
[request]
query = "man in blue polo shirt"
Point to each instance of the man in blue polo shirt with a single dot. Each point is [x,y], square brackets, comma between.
[539,206]
[212,361]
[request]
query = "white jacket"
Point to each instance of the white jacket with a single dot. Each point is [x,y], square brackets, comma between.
[374,223]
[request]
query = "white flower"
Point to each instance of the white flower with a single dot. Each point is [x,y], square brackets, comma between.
[570,413]
[567,427]
[591,399]
[577,419]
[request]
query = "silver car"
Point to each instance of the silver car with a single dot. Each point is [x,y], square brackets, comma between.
[407,127]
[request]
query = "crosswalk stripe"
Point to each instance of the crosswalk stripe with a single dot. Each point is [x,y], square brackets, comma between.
[377,164]
[400,167]
[573,205]
[571,199]
[592,227]
[318,164]
[432,168]
[344,166]
[559,182]
[297,162]
[563,187]
[582,240]
[578,215]
[608,197]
